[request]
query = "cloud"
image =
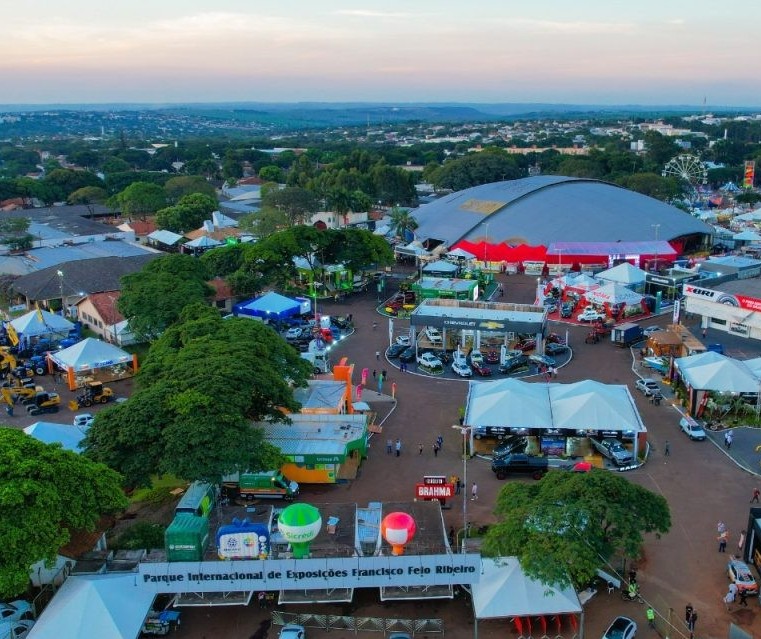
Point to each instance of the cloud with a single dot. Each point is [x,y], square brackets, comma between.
[573,27]
[364,13]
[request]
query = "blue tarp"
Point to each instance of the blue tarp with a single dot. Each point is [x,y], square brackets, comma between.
[268,306]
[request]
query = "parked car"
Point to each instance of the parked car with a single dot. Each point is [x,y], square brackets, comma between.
[434,335]
[566,309]
[481,369]
[514,364]
[15,610]
[613,450]
[403,340]
[492,357]
[739,574]
[526,345]
[292,631]
[692,429]
[522,464]
[476,357]
[648,387]
[509,445]
[294,333]
[462,369]
[621,628]
[83,420]
[429,360]
[408,355]
[590,315]
[553,348]
[542,360]
[395,350]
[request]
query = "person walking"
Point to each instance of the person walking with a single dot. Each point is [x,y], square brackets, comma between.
[756,493]
[389,446]
[420,449]
[440,441]
[687,613]
[262,599]
[728,439]
[705,332]
[650,614]
[692,622]
[667,448]
[744,598]
[722,539]
[435,449]
[377,355]
[474,492]
[375,373]
[398,447]
[457,485]
[375,325]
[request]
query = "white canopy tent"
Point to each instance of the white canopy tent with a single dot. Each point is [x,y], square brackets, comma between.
[712,371]
[40,323]
[578,281]
[624,273]
[504,591]
[460,254]
[110,606]
[204,241]
[90,353]
[590,404]
[508,402]
[613,293]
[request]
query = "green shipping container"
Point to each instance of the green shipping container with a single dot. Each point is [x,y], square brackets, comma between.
[186,538]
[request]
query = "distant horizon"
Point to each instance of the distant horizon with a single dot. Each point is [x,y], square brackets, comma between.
[431,51]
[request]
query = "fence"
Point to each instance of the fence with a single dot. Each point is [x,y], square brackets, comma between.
[357,624]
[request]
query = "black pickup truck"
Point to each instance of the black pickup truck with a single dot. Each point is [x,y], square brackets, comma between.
[521,464]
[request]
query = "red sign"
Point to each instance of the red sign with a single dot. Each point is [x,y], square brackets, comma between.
[434,491]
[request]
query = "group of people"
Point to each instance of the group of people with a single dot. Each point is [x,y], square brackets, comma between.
[394,446]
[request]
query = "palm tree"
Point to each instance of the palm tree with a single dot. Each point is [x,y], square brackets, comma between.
[402,221]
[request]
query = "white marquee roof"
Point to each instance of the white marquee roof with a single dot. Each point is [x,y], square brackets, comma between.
[624,273]
[715,372]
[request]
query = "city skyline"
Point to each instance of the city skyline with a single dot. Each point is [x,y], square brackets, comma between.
[337,51]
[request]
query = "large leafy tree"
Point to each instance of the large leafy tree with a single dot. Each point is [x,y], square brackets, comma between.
[45,494]
[477,168]
[90,196]
[141,199]
[182,185]
[297,203]
[63,182]
[152,299]
[200,387]
[566,526]
[188,214]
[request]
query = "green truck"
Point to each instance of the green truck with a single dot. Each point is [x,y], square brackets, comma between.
[186,538]
[271,484]
[199,499]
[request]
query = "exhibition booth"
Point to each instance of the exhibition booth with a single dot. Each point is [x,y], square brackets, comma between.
[92,360]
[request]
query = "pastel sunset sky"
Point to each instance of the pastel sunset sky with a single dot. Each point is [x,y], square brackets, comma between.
[558,51]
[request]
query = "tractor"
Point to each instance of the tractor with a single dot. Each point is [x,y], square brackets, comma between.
[95,393]
[44,403]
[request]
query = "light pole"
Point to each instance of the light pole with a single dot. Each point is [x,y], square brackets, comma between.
[60,284]
[656,227]
[465,430]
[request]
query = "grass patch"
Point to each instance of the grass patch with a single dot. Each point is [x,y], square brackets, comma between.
[159,492]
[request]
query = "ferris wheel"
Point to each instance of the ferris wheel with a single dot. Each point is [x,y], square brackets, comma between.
[687,168]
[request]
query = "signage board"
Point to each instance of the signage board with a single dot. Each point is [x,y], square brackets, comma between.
[306,574]
[434,491]
[739,301]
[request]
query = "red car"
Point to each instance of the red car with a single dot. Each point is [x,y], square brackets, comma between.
[526,345]
[480,369]
[492,357]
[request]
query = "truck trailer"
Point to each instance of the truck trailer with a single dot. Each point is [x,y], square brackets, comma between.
[626,334]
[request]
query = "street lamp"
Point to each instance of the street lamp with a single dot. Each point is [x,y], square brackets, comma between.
[465,430]
[656,227]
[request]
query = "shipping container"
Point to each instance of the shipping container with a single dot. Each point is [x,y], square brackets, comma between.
[186,538]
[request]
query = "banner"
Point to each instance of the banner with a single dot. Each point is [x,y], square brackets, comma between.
[306,574]
[749,174]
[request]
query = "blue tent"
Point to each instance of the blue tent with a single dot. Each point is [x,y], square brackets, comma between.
[268,306]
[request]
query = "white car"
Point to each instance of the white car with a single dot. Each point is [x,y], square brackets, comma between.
[403,340]
[648,387]
[429,360]
[621,628]
[16,629]
[434,335]
[294,332]
[477,358]
[692,429]
[15,611]
[590,315]
[292,631]
[462,369]
[650,330]
[83,420]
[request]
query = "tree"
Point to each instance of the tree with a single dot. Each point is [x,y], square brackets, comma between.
[63,182]
[188,214]
[200,387]
[566,526]
[265,222]
[140,199]
[402,222]
[14,232]
[272,173]
[47,493]
[297,203]
[477,168]
[153,298]
[178,187]
[653,185]
[89,196]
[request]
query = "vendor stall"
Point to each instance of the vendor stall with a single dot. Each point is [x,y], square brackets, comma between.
[41,324]
[93,360]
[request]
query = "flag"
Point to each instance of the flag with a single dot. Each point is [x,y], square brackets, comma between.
[39,313]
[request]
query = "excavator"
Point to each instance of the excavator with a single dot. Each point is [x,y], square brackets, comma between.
[44,403]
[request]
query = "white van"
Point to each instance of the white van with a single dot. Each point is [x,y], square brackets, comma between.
[433,335]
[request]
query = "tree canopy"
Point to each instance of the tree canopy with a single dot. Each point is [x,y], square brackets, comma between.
[203,382]
[188,214]
[566,526]
[152,299]
[140,199]
[46,493]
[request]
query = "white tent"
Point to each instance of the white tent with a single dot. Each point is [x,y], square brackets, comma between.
[508,402]
[754,365]
[715,372]
[747,236]
[578,281]
[440,266]
[624,273]
[41,323]
[613,294]
[111,606]
[413,248]
[52,433]
[89,354]
[461,254]
[504,590]
[590,404]
[203,241]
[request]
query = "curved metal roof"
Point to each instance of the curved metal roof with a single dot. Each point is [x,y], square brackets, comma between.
[538,211]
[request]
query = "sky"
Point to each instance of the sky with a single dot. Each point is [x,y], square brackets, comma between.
[644,52]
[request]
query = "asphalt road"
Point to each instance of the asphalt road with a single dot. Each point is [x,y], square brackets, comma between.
[701,482]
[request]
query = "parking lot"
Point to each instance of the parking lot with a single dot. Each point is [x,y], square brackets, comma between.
[702,483]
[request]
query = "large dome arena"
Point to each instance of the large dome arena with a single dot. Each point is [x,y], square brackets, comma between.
[545,210]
